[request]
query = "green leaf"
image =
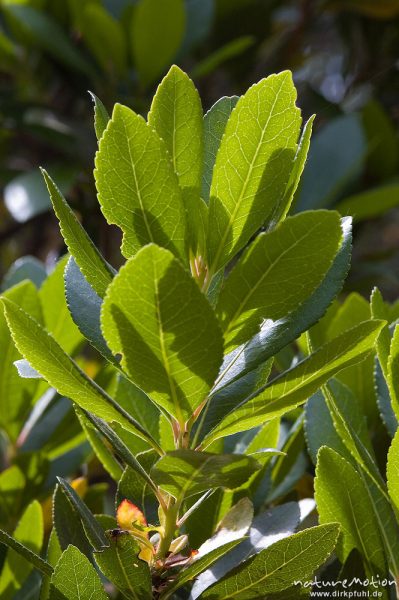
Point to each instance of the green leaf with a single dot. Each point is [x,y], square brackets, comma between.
[252,166]
[371,203]
[45,33]
[227,52]
[319,424]
[27,267]
[198,566]
[56,316]
[273,276]
[133,487]
[101,116]
[25,196]
[121,565]
[120,448]
[176,116]
[93,530]
[279,566]
[348,501]
[67,522]
[267,528]
[94,267]
[16,394]
[274,336]
[292,388]
[215,121]
[284,206]
[17,567]
[101,449]
[12,487]
[383,147]
[105,37]
[174,356]
[75,578]
[380,310]
[137,187]
[84,305]
[393,473]
[183,473]
[157,33]
[61,372]
[393,372]
[26,553]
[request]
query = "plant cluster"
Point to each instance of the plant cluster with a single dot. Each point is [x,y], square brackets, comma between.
[219,326]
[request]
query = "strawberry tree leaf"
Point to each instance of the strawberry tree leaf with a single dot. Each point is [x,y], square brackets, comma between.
[31,557]
[393,372]
[174,356]
[84,305]
[293,387]
[393,472]
[183,473]
[94,267]
[93,530]
[101,116]
[137,187]
[252,166]
[283,207]
[176,116]
[267,529]
[62,372]
[273,336]
[215,121]
[198,566]
[17,567]
[348,501]
[273,277]
[56,316]
[75,578]
[278,567]
[16,394]
[121,565]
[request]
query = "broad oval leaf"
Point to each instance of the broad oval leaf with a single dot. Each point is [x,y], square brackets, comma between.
[176,116]
[347,501]
[75,578]
[137,187]
[215,121]
[296,385]
[279,271]
[121,565]
[278,567]
[173,355]
[252,166]
[183,473]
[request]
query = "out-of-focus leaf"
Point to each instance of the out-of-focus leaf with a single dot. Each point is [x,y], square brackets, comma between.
[230,50]
[335,158]
[157,33]
[27,267]
[105,37]
[199,20]
[383,155]
[371,203]
[26,196]
[16,568]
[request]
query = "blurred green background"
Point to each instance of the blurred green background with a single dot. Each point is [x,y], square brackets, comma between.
[344,55]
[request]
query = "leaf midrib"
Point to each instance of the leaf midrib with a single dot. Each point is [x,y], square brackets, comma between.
[243,189]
